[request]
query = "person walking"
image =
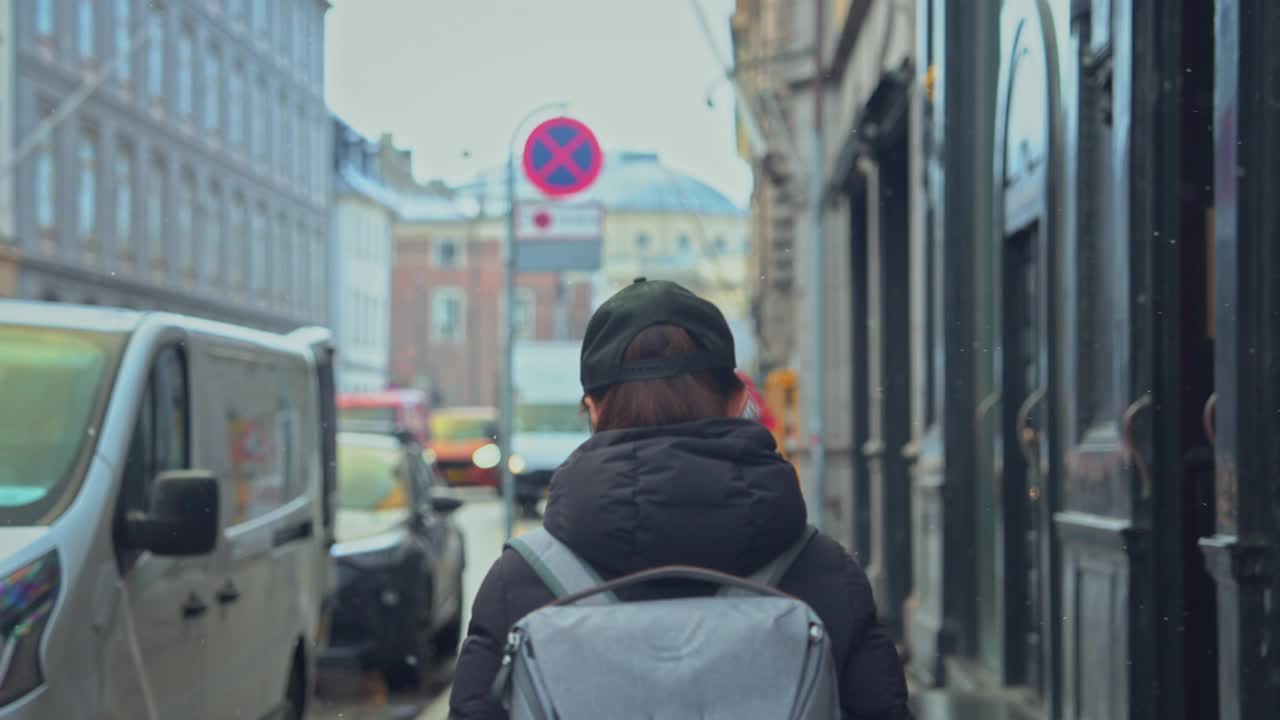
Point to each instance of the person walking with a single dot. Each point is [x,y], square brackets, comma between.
[674,475]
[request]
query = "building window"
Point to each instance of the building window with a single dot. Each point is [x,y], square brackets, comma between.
[212,94]
[186,222]
[155,56]
[44,18]
[319,272]
[237,242]
[719,245]
[214,242]
[447,315]
[258,252]
[86,45]
[261,113]
[320,177]
[302,164]
[523,313]
[123,182]
[280,270]
[683,244]
[87,188]
[283,28]
[155,212]
[235,106]
[642,242]
[259,9]
[45,185]
[300,269]
[301,29]
[284,118]
[124,38]
[446,253]
[186,87]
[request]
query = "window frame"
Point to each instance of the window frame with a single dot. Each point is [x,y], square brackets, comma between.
[185,62]
[150,405]
[158,179]
[122,38]
[86,32]
[44,20]
[124,181]
[88,209]
[155,56]
[212,86]
[458,255]
[527,300]
[44,181]
[439,296]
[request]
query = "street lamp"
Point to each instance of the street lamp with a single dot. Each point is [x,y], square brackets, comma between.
[506,411]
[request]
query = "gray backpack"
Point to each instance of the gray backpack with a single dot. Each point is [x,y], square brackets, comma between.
[750,651]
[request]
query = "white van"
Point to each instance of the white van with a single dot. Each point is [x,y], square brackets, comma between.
[548,422]
[165,514]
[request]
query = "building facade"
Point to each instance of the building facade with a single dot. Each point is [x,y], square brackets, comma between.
[448,276]
[447,285]
[1051,280]
[360,265]
[195,177]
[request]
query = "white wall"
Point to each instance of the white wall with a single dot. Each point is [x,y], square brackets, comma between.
[361,293]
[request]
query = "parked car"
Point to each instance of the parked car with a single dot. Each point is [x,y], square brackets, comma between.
[464,445]
[399,561]
[387,411]
[162,514]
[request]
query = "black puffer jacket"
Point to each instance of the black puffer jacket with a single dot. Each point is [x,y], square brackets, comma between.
[714,494]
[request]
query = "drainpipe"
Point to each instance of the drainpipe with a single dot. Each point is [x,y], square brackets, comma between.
[817,286]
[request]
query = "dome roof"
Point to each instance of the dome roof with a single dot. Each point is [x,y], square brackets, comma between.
[629,182]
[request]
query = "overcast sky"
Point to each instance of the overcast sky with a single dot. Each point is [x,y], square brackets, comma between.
[451,78]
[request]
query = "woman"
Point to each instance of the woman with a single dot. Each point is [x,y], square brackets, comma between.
[673,475]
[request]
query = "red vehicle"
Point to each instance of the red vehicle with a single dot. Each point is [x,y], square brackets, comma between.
[387,412]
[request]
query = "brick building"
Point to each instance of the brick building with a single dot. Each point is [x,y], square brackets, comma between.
[446,302]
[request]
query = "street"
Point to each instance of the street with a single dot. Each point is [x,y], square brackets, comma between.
[480,520]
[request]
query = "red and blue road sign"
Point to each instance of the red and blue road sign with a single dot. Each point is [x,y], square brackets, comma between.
[562,157]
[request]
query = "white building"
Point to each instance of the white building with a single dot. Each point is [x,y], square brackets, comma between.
[363,212]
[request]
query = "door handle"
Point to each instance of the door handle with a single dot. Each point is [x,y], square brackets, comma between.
[1029,437]
[228,594]
[193,608]
[1131,445]
[1209,420]
[986,406]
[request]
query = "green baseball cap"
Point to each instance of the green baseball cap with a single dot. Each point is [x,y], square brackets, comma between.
[639,306]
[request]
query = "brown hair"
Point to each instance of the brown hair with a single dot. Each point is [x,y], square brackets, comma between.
[664,401]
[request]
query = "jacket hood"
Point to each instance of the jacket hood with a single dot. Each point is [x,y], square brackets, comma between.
[713,493]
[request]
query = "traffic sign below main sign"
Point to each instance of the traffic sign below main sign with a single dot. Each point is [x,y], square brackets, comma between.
[558,221]
[556,237]
[562,157]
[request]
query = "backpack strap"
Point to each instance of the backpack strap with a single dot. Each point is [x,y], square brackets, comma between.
[563,572]
[773,572]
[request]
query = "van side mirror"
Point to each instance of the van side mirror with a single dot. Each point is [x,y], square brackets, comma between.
[183,519]
[445,504]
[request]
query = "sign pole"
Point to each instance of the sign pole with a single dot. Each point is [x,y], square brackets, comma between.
[506,422]
[508,354]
